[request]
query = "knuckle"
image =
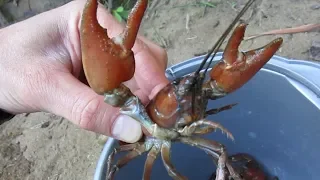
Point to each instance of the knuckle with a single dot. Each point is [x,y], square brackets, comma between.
[163,53]
[164,58]
[88,113]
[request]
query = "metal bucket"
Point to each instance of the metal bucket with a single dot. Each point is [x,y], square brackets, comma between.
[277,121]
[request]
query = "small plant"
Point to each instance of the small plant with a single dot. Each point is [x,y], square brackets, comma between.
[120,9]
[120,13]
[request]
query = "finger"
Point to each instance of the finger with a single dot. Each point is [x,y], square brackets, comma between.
[82,106]
[149,76]
[159,53]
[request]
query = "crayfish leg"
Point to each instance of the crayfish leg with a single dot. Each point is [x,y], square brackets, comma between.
[218,110]
[236,67]
[203,127]
[231,51]
[123,148]
[166,159]
[152,156]
[217,151]
[133,24]
[109,62]
[106,64]
[134,150]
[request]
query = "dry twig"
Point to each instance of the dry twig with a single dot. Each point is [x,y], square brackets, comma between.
[299,29]
[187,22]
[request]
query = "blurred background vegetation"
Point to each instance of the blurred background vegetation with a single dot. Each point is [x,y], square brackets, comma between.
[120,9]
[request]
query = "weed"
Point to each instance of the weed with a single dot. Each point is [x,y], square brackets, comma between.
[120,9]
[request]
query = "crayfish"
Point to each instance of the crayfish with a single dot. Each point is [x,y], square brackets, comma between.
[247,167]
[178,112]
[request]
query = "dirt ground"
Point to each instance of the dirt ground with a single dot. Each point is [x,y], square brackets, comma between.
[44,146]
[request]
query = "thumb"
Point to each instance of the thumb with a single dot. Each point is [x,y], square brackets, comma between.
[82,106]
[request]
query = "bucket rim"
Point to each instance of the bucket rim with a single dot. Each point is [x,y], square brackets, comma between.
[276,64]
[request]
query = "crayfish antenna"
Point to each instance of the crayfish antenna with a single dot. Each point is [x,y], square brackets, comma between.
[212,52]
[198,79]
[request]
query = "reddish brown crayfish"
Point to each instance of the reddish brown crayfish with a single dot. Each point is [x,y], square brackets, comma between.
[247,167]
[177,113]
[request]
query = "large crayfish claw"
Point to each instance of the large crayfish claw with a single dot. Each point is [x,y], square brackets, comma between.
[108,62]
[237,68]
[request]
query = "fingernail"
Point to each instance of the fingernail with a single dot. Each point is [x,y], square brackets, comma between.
[126,129]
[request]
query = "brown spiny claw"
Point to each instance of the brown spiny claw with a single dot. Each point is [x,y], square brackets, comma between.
[237,68]
[108,62]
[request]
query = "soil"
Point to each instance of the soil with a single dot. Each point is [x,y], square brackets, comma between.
[45,146]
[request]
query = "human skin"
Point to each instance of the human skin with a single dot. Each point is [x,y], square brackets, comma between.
[40,70]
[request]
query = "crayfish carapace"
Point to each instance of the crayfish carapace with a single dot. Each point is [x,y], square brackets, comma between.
[177,113]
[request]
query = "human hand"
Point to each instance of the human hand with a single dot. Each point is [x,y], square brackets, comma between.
[40,67]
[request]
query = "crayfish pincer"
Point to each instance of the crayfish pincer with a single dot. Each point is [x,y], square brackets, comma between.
[177,113]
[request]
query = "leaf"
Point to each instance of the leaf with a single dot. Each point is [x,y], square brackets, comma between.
[208,4]
[117,16]
[125,14]
[120,9]
[299,29]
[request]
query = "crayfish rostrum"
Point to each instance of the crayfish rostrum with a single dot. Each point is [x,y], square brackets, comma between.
[177,113]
